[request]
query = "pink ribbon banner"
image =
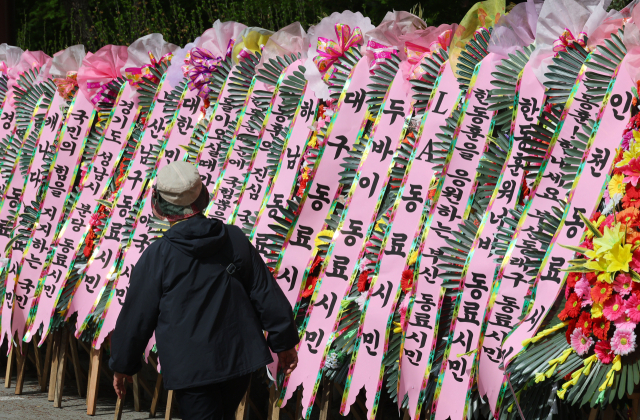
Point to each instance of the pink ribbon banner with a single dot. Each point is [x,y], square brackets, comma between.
[480,268]
[448,209]
[358,221]
[282,185]
[342,134]
[257,180]
[583,198]
[24,289]
[546,192]
[7,130]
[100,269]
[62,175]
[238,164]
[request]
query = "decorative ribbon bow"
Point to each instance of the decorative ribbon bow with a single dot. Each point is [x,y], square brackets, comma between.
[380,53]
[136,74]
[100,94]
[199,64]
[329,51]
[565,40]
[416,53]
[67,85]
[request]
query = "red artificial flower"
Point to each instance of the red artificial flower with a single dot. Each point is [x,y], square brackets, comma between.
[601,292]
[592,278]
[571,308]
[603,352]
[363,281]
[600,327]
[572,279]
[315,267]
[635,261]
[407,280]
[631,198]
[309,286]
[570,328]
[585,323]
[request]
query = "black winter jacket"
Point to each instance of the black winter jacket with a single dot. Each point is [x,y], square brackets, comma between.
[208,324]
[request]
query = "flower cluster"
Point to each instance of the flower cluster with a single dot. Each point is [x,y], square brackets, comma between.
[602,292]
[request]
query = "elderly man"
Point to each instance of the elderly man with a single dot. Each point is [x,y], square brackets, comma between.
[208,296]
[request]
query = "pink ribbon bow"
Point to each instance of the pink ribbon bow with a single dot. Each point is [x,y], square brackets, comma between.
[380,53]
[565,40]
[99,95]
[198,67]
[67,85]
[329,51]
[416,53]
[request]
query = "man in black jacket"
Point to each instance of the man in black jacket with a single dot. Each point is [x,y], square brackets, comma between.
[207,294]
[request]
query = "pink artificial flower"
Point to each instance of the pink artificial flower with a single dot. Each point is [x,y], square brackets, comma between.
[632,308]
[603,352]
[625,323]
[580,342]
[614,308]
[626,138]
[623,342]
[631,172]
[622,284]
[608,222]
[583,288]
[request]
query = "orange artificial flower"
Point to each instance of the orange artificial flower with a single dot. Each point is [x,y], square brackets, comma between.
[629,217]
[601,292]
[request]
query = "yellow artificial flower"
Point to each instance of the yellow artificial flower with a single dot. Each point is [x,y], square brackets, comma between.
[632,153]
[561,393]
[325,233]
[597,224]
[398,328]
[616,185]
[379,225]
[619,258]
[610,238]
[413,257]
[313,142]
[596,310]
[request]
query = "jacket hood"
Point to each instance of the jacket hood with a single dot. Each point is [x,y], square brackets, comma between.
[198,236]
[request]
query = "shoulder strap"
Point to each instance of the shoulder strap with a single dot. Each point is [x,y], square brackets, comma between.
[236,257]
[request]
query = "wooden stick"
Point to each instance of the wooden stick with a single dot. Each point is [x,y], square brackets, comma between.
[136,393]
[94,380]
[326,399]
[157,391]
[298,413]
[145,386]
[77,369]
[55,350]
[118,414]
[255,410]
[46,368]
[593,415]
[62,373]
[274,410]
[169,409]
[9,371]
[36,355]
[21,364]
[242,408]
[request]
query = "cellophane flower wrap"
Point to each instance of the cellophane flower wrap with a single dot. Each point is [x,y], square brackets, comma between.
[560,23]
[325,43]
[64,69]
[200,59]
[9,57]
[250,40]
[291,39]
[143,53]
[631,40]
[517,29]
[99,69]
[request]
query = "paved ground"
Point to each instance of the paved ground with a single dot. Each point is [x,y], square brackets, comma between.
[33,404]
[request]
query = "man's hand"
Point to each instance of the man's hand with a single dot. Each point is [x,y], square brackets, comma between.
[119,383]
[287,361]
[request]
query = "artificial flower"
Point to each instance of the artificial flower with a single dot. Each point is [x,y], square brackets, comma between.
[600,292]
[327,234]
[580,342]
[631,198]
[611,237]
[625,323]
[309,286]
[596,310]
[631,171]
[616,185]
[361,300]
[614,308]
[629,217]
[571,308]
[635,261]
[632,308]
[572,279]
[570,327]
[600,265]
[582,288]
[623,342]
[619,258]
[622,284]
[363,281]
[633,238]
[600,327]
[585,323]
[603,352]
[632,153]
[407,280]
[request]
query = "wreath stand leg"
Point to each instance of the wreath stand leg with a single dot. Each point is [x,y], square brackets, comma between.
[61,373]
[119,404]
[136,392]
[94,380]
[634,404]
[46,367]
[53,373]
[9,371]
[21,364]
[242,408]
[326,400]
[77,369]
[298,414]
[157,391]
[274,410]
[170,403]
